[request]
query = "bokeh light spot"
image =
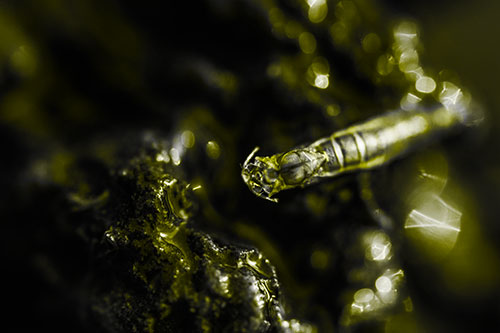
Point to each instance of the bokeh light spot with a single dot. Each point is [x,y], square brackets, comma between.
[307,42]
[383,284]
[371,43]
[321,81]
[425,85]
[188,139]
[213,150]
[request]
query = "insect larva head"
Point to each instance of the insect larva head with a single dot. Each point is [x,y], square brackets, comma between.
[261,175]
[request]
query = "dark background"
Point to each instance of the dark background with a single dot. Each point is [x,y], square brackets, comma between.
[108,67]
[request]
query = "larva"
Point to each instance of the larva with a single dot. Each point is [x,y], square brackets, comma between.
[367,145]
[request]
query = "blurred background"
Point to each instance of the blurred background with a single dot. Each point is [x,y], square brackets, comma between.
[409,248]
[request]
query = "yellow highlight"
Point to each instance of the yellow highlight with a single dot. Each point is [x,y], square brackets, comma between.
[293,29]
[371,43]
[409,101]
[433,224]
[318,10]
[276,17]
[213,150]
[364,295]
[346,11]
[379,247]
[307,42]
[163,157]
[176,156]
[425,85]
[320,66]
[379,252]
[406,33]
[414,73]
[339,32]
[385,64]
[383,284]
[332,110]
[408,61]
[318,73]
[408,304]
[451,95]
[321,81]
[187,139]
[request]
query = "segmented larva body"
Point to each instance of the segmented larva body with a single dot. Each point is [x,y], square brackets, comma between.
[359,147]
[379,140]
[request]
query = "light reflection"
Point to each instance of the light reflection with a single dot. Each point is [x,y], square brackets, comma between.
[414,74]
[385,64]
[307,42]
[294,325]
[409,102]
[408,61]
[220,283]
[378,246]
[406,33]
[346,11]
[364,295]
[407,128]
[434,223]
[339,32]
[383,284]
[425,85]
[405,50]
[321,81]
[371,43]
[318,73]
[180,143]
[450,94]
[293,29]
[365,301]
[387,285]
[224,283]
[454,99]
[187,139]
[320,66]
[313,3]
[318,10]
[276,18]
[431,178]
[175,155]
[420,220]
[213,149]
[408,304]
[163,157]
[332,110]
